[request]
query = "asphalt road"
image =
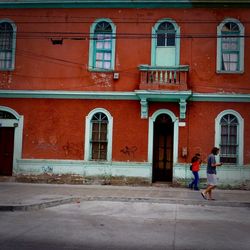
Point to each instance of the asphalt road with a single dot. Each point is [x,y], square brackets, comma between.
[126,225]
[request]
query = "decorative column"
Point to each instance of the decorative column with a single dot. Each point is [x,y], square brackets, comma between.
[144,108]
[183,108]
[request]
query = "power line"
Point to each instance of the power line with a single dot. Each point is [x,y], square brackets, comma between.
[123,19]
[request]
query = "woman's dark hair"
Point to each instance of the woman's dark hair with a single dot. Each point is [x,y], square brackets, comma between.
[215,150]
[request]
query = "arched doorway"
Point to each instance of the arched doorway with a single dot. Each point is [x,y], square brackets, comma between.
[11,126]
[163,149]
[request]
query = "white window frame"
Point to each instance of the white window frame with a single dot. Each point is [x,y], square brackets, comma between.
[241,46]
[91,66]
[240,132]
[88,133]
[154,40]
[151,122]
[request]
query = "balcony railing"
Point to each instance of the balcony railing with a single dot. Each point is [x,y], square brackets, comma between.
[170,78]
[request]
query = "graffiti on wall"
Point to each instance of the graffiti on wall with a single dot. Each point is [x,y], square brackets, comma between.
[47,169]
[129,151]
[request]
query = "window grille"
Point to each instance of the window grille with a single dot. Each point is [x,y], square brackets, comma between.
[6,46]
[230,47]
[99,142]
[6,115]
[103,46]
[229,139]
[166,34]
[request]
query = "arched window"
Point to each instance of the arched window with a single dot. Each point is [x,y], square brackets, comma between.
[165,43]
[6,115]
[98,135]
[99,140]
[102,46]
[166,34]
[7,45]
[229,137]
[230,47]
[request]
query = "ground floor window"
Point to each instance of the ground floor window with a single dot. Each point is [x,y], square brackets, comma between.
[229,139]
[99,142]
[229,130]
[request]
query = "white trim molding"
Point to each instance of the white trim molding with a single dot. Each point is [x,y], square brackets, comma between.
[240,132]
[18,133]
[241,46]
[151,134]
[92,49]
[88,133]
[154,40]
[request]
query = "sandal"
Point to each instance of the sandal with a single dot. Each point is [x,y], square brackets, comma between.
[203,195]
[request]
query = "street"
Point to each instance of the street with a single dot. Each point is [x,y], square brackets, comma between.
[126,225]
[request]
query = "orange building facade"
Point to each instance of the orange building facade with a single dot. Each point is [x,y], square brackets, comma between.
[127,89]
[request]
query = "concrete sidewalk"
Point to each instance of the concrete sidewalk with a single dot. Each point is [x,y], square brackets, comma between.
[26,196]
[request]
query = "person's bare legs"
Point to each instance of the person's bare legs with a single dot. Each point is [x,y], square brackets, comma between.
[209,192]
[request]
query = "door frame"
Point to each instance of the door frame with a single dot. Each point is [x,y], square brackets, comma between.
[151,136]
[154,40]
[18,133]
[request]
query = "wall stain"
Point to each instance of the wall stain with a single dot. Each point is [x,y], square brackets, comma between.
[71,149]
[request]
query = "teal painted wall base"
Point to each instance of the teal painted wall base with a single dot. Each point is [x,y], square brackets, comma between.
[124,173]
[82,172]
[228,176]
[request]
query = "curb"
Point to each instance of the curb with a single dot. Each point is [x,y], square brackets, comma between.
[171,201]
[39,205]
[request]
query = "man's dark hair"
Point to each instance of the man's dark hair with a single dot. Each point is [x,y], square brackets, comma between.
[215,150]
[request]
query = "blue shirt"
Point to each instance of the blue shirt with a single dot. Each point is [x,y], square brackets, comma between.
[211,160]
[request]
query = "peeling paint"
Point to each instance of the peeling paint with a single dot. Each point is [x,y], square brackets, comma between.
[102,79]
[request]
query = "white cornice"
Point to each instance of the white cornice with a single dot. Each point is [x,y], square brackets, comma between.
[215,97]
[68,94]
[151,95]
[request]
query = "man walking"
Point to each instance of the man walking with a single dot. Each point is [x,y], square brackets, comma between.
[211,174]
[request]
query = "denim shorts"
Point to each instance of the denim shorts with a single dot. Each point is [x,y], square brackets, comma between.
[211,179]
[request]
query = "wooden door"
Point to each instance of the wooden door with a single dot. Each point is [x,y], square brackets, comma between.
[6,150]
[163,149]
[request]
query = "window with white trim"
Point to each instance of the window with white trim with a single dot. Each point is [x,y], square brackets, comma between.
[7,45]
[99,140]
[230,47]
[165,43]
[229,130]
[102,46]
[98,135]
[229,139]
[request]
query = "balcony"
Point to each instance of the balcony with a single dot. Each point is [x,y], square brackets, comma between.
[172,78]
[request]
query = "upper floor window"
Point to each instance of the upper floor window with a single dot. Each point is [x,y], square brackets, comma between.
[165,43]
[230,46]
[98,135]
[166,35]
[102,45]
[229,137]
[7,45]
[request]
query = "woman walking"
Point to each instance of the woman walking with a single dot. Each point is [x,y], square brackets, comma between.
[195,167]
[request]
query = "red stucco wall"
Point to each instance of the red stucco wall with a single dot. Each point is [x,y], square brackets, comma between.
[41,65]
[55,129]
